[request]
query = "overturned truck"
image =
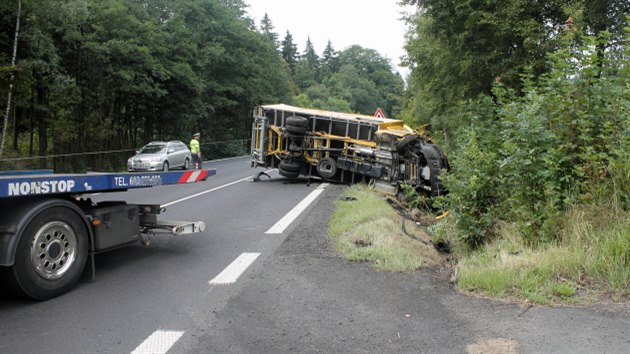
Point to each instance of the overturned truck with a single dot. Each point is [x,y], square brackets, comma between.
[346,147]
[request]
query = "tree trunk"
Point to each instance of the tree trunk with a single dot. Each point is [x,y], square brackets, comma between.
[41,114]
[11,78]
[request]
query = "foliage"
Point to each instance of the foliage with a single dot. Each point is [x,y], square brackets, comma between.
[456,49]
[114,74]
[589,261]
[529,156]
[358,77]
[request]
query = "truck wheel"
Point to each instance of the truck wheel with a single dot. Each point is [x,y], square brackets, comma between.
[296,125]
[165,166]
[289,168]
[51,254]
[289,174]
[297,121]
[327,167]
[296,130]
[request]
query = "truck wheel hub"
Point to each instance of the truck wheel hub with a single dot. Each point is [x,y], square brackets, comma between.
[54,250]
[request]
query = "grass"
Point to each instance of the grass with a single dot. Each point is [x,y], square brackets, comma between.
[364,228]
[590,262]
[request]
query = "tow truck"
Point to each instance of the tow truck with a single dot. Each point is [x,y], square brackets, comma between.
[50,233]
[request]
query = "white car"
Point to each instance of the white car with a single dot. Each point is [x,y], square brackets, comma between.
[160,156]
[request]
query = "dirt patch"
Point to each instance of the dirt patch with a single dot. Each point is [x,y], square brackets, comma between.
[493,346]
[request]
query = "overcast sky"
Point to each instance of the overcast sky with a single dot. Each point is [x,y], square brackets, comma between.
[373,24]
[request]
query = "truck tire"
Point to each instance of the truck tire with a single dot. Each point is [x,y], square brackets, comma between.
[297,121]
[289,168]
[296,125]
[296,130]
[51,254]
[327,167]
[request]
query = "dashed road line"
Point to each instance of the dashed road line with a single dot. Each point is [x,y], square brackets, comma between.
[159,342]
[230,274]
[283,223]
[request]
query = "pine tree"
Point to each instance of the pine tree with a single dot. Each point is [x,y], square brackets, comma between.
[311,57]
[329,63]
[266,27]
[289,51]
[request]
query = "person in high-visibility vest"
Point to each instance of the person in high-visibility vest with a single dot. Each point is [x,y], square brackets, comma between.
[195,150]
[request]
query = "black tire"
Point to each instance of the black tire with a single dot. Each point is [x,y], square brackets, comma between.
[297,121]
[327,167]
[51,255]
[296,130]
[186,164]
[289,174]
[165,166]
[289,166]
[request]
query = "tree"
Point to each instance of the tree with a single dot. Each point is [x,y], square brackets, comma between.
[329,63]
[12,77]
[113,74]
[289,51]
[311,58]
[266,27]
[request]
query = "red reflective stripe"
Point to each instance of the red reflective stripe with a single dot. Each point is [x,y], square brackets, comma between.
[184,177]
[202,175]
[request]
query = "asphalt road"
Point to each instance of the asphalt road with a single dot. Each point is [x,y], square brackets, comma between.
[295,294]
[140,290]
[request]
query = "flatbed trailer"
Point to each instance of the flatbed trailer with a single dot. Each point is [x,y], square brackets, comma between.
[49,233]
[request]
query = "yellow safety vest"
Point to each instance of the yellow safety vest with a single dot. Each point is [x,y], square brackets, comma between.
[194,146]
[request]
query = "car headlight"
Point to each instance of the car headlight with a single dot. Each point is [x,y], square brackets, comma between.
[156,159]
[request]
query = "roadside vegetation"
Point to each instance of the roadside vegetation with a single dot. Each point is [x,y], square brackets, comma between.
[365,228]
[539,144]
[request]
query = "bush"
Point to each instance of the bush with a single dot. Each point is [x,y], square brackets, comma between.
[526,157]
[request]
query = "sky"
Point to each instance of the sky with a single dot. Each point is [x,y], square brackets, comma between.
[373,24]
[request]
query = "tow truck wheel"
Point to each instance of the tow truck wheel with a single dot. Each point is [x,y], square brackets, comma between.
[51,254]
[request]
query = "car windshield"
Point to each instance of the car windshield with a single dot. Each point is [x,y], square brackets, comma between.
[152,149]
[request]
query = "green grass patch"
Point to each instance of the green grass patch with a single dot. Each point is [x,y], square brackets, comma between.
[365,228]
[591,262]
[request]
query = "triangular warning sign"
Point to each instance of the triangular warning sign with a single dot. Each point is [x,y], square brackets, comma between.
[379,113]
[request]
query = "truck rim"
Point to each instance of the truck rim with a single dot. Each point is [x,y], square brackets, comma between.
[54,250]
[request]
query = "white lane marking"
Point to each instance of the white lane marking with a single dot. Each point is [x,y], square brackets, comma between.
[208,191]
[283,223]
[230,274]
[159,342]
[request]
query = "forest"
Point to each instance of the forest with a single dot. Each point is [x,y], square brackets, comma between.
[93,80]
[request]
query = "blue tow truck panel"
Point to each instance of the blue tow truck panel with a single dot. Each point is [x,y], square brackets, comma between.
[50,184]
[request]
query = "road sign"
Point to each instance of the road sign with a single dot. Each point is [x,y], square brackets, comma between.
[379,113]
